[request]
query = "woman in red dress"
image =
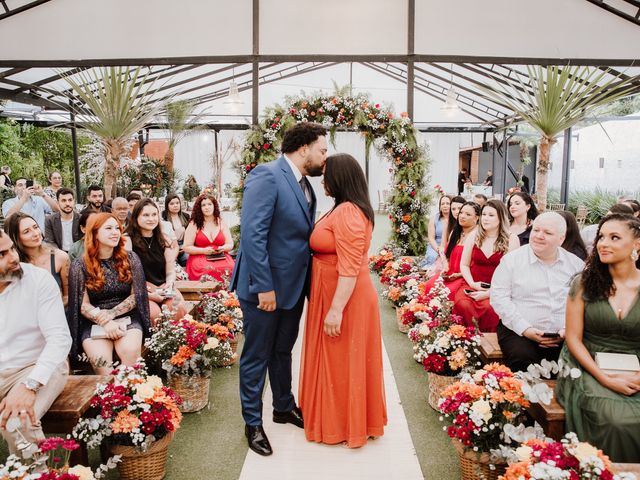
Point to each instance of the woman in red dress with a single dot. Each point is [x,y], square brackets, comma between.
[465,225]
[341,381]
[481,255]
[207,240]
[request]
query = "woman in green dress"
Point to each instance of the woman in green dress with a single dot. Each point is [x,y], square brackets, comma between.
[603,315]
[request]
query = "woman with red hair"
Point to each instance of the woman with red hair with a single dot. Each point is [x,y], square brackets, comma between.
[207,240]
[107,288]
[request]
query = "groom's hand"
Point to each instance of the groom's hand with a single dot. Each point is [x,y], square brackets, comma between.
[267,301]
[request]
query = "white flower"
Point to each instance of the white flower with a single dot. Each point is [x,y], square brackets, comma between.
[584,451]
[435,303]
[145,390]
[482,408]
[188,317]
[84,473]
[155,381]
[443,342]
[212,343]
[524,453]
[424,329]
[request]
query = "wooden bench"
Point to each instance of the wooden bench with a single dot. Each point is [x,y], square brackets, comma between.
[193,290]
[490,349]
[69,407]
[550,417]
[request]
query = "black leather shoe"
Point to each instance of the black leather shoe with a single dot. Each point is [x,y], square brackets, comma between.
[258,441]
[294,417]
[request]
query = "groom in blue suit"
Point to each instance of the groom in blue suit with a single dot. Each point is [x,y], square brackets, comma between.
[271,275]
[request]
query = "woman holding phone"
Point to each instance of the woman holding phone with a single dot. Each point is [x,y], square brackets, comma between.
[207,241]
[158,256]
[107,289]
[482,253]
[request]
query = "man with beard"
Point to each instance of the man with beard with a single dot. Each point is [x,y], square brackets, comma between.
[63,228]
[34,345]
[271,274]
[95,200]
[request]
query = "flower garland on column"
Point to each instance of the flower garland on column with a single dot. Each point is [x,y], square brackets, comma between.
[393,137]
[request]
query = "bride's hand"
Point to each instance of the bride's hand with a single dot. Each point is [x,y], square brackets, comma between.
[332,323]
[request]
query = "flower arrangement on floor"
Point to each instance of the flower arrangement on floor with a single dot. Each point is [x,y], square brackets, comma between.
[402,290]
[188,350]
[396,268]
[134,409]
[433,305]
[223,308]
[570,459]
[388,253]
[49,460]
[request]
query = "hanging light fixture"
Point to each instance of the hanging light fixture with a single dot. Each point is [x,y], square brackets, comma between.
[450,106]
[233,103]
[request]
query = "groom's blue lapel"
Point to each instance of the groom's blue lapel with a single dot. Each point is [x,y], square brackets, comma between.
[295,186]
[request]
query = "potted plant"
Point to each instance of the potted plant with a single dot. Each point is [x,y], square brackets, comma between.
[222,308]
[445,349]
[137,417]
[188,351]
[477,408]
[427,306]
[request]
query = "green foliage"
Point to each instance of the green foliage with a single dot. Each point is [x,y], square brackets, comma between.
[181,120]
[597,201]
[190,189]
[151,175]
[394,138]
[10,144]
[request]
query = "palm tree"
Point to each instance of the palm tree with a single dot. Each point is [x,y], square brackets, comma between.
[181,121]
[555,98]
[117,102]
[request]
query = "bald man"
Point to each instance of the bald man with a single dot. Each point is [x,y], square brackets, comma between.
[120,208]
[529,291]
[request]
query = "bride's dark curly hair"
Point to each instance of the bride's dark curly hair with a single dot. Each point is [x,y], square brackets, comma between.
[596,280]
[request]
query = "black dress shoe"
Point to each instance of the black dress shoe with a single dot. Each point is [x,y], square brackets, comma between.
[258,441]
[294,417]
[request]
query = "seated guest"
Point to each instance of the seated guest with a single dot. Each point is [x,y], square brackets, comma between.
[29,200]
[464,226]
[573,241]
[529,291]
[62,228]
[588,233]
[454,210]
[179,220]
[603,316]
[34,345]
[437,226]
[482,253]
[144,236]
[120,208]
[106,285]
[134,197]
[480,199]
[77,249]
[28,241]
[55,184]
[635,205]
[522,212]
[207,240]
[95,200]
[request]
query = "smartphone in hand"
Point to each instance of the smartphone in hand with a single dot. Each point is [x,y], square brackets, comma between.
[551,335]
[485,285]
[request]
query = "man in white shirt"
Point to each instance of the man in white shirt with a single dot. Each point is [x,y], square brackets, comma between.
[529,292]
[34,345]
[30,200]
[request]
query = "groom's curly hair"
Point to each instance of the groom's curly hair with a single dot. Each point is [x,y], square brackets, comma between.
[301,134]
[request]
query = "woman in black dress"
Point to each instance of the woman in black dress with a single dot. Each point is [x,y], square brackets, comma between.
[522,212]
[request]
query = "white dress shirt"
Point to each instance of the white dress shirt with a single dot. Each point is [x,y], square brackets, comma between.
[528,293]
[298,175]
[33,326]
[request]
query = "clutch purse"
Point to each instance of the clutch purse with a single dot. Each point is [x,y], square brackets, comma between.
[216,256]
[612,363]
[98,332]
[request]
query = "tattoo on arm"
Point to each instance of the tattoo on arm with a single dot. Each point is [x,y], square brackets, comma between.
[86,309]
[125,306]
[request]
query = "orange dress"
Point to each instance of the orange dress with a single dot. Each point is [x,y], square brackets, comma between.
[341,391]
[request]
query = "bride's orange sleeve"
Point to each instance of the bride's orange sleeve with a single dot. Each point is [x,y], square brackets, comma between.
[350,232]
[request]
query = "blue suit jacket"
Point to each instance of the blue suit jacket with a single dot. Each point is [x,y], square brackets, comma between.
[276,224]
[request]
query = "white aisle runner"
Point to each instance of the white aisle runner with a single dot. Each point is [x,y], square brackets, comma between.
[391,456]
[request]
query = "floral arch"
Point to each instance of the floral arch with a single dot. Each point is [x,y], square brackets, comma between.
[393,137]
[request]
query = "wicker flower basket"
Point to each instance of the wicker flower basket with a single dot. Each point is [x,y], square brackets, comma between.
[234,343]
[142,465]
[401,326]
[477,465]
[437,383]
[194,391]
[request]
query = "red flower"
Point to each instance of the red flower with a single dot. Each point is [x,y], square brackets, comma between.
[413,194]
[274,125]
[266,146]
[247,168]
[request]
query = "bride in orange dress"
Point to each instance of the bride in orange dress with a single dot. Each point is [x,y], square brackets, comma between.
[341,381]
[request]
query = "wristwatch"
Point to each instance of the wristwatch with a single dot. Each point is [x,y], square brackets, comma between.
[32,385]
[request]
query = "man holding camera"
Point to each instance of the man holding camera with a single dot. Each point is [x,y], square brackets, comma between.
[529,291]
[30,199]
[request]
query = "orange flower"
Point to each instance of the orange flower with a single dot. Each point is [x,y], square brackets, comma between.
[183,354]
[125,422]
[394,293]
[406,218]
[457,331]
[516,471]
[404,115]
[506,413]
[231,302]
[498,397]
[497,367]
